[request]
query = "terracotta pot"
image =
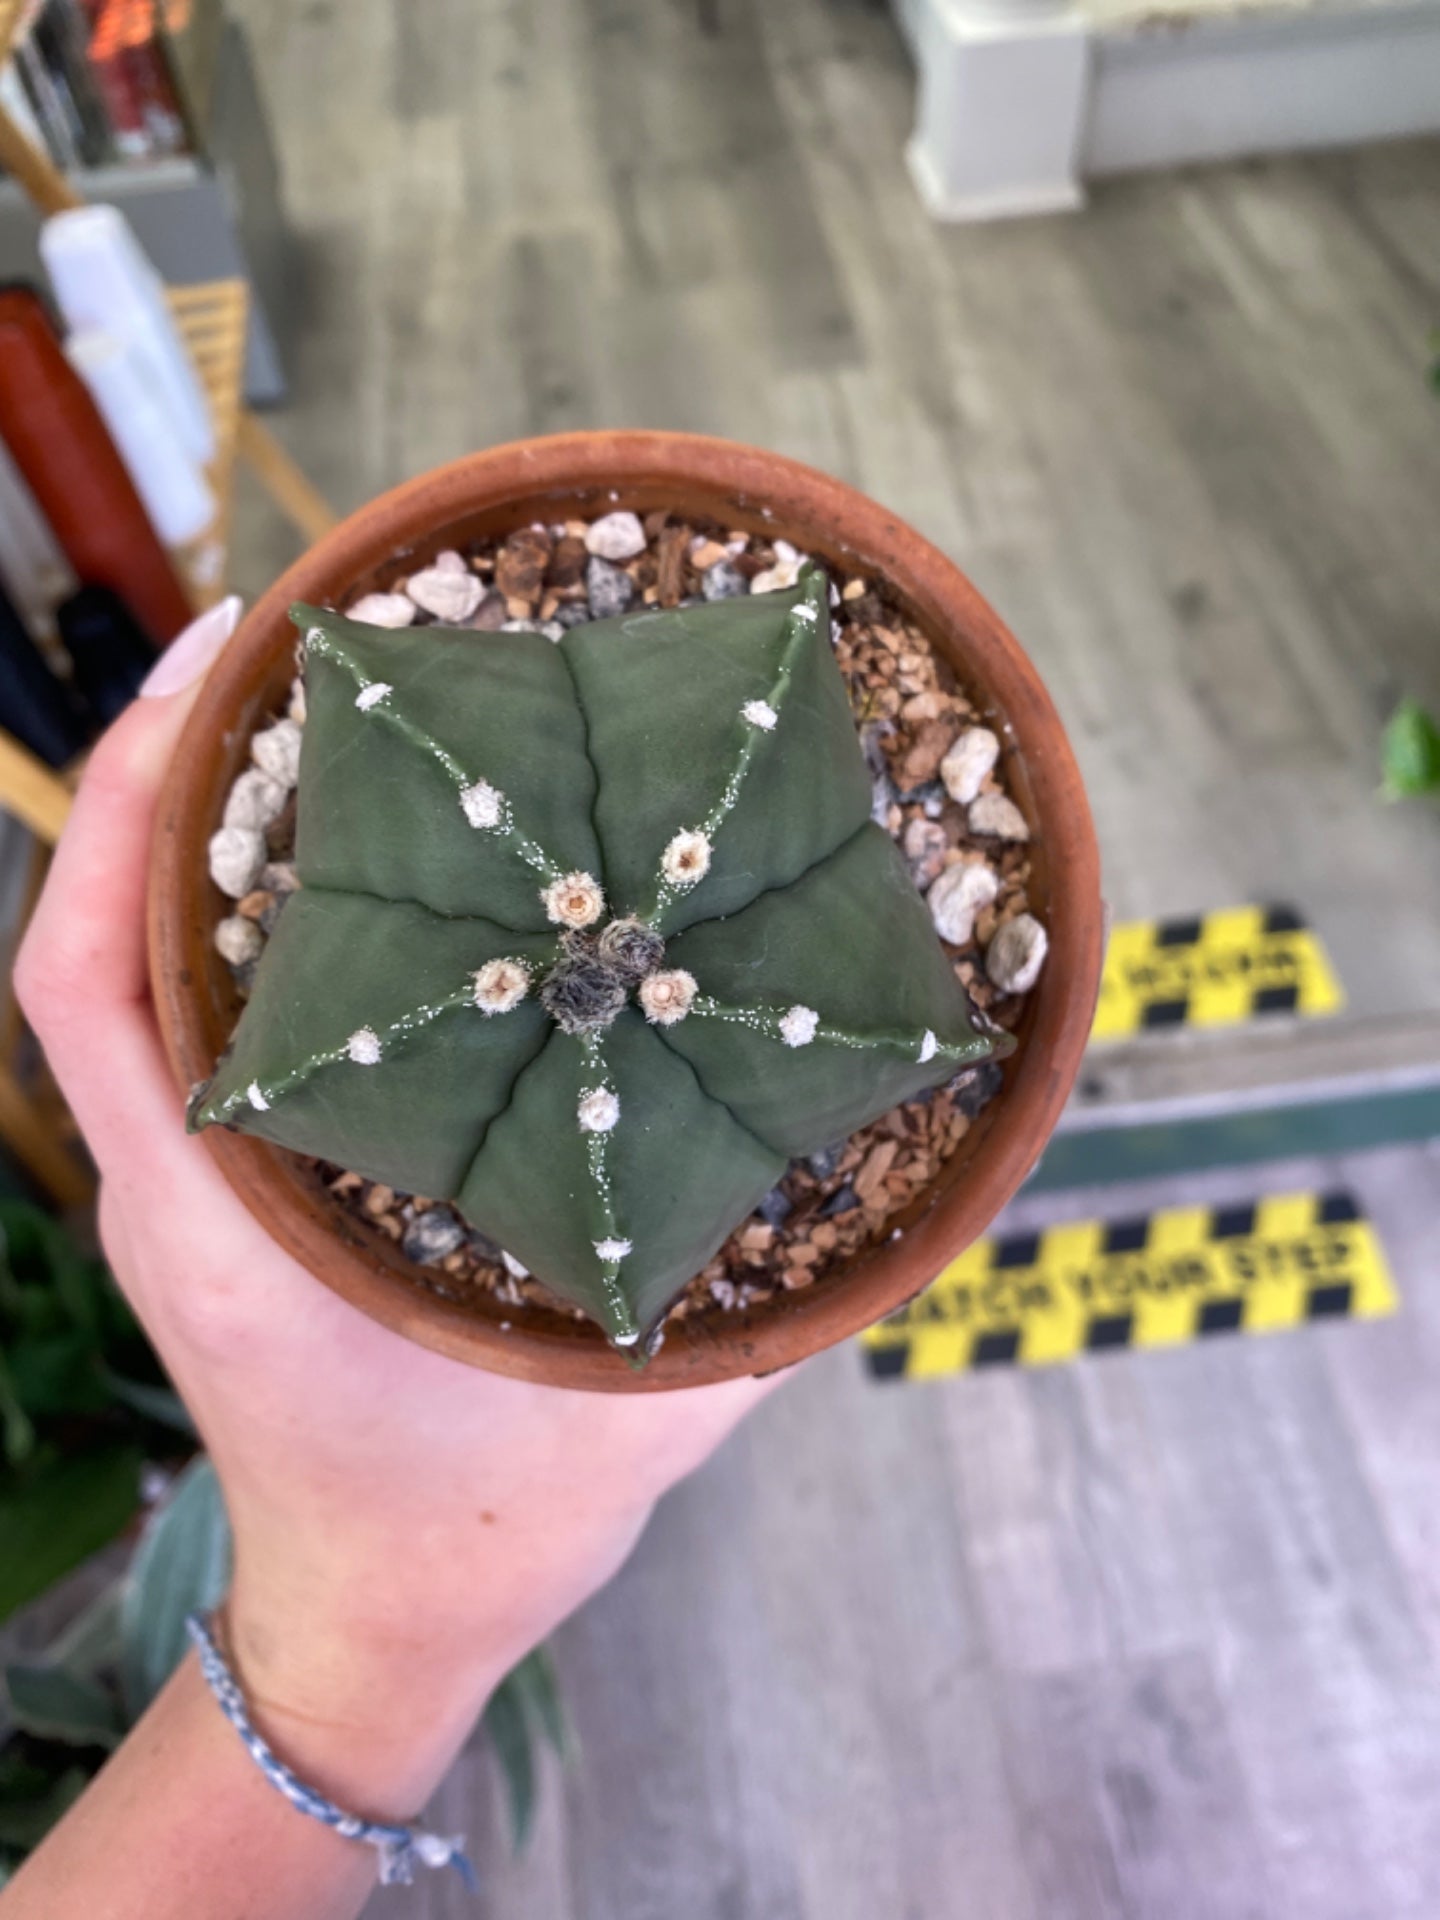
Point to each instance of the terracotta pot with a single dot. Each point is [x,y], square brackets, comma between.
[582,474]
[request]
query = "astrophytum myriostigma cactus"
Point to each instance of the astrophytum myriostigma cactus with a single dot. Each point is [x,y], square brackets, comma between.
[592,936]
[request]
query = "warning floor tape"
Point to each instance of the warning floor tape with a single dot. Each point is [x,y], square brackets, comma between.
[1155,1280]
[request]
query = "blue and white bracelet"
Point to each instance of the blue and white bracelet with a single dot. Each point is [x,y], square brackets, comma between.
[401,1849]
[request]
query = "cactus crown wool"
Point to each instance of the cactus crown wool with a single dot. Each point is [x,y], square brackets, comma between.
[592,936]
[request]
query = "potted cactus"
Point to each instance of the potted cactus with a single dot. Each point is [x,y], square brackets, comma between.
[595,930]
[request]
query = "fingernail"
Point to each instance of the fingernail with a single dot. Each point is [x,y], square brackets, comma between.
[187,656]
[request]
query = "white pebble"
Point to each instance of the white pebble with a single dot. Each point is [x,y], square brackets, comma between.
[363,1047]
[955,899]
[783,574]
[449,596]
[615,537]
[513,1267]
[276,751]
[1017,954]
[966,764]
[383,610]
[280,876]
[238,940]
[236,856]
[998,817]
[296,709]
[449,561]
[254,800]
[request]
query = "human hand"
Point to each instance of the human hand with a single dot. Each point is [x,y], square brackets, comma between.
[405,1527]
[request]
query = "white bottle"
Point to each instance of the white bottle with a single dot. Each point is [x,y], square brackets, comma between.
[167,478]
[103,281]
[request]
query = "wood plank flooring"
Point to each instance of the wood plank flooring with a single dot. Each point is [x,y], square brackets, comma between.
[1150,1635]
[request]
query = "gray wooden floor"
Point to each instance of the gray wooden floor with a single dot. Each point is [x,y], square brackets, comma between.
[1148,1635]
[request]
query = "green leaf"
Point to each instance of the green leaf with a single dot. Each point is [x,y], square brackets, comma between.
[160,1404]
[61,1513]
[508,1727]
[25,1821]
[182,1566]
[53,1704]
[91,1643]
[19,1433]
[57,1374]
[1410,752]
[539,1686]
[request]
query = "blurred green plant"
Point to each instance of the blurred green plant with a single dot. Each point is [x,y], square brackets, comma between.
[84,1405]
[1410,753]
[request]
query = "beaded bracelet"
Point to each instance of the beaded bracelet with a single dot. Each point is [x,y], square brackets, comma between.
[401,1848]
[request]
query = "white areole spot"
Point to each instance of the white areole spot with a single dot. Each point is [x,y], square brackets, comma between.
[624,1339]
[612,1249]
[372,695]
[929,1047]
[805,611]
[482,804]
[797,1027]
[363,1047]
[256,1097]
[667,996]
[686,859]
[760,713]
[598,1110]
[501,985]
[576,900]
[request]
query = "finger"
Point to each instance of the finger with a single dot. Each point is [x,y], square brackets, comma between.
[82,965]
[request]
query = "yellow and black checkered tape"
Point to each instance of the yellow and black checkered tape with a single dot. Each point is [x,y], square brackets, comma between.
[1213,971]
[1158,1280]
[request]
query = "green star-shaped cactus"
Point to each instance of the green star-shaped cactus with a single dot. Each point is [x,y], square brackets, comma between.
[592,937]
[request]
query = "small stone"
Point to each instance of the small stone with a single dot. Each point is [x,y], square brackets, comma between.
[921,761]
[705,554]
[449,561]
[254,800]
[610,590]
[482,1246]
[269,916]
[432,1236]
[238,941]
[566,572]
[967,763]
[776,1208]
[955,899]
[925,845]
[573,613]
[552,629]
[514,1267]
[1017,953]
[616,536]
[279,876]
[236,856]
[451,597]
[296,709]
[824,1163]
[723,581]
[254,905]
[276,751]
[490,615]
[843,1200]
[997,817]
[775,579]
[520,565]
[383,610]
[974,1089]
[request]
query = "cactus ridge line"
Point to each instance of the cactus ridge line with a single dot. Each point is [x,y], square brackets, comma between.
[771,1021]
[800,622]
[609,1236]
[378,705]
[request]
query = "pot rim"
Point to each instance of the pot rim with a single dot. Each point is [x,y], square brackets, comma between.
[507,486]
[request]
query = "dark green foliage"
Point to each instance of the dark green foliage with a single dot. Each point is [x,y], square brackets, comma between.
[82,1402]
[510,853]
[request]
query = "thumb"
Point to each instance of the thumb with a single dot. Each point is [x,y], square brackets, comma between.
[83,960]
